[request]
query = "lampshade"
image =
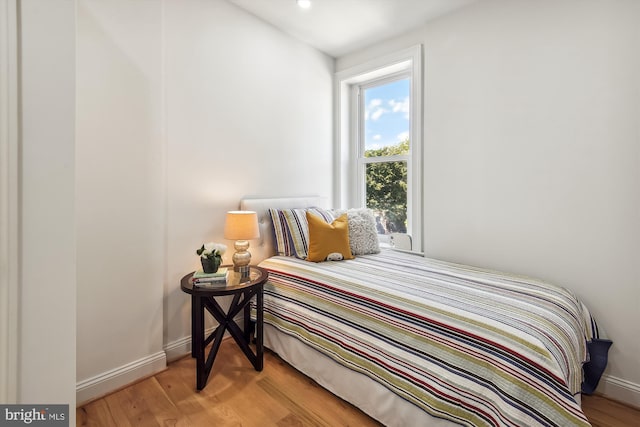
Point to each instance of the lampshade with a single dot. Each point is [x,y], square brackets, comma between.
[241,225]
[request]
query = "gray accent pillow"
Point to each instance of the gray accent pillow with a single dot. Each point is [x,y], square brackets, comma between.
[363,237]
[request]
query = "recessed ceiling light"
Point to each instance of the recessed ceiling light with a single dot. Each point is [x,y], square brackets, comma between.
[305,4]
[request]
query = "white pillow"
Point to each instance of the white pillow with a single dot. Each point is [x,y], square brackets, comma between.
[363,237]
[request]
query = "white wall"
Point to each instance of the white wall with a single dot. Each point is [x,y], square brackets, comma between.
[47,232]
[183,108]
[120,193]
[532,151]
[248,113]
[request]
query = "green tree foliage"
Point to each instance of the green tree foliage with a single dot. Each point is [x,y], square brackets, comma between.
[386,187]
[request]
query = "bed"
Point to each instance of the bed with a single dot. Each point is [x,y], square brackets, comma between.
[416,341]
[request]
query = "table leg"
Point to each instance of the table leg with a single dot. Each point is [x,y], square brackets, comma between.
[197,339]
[259,329]
[203,375]
[247,323]
[193,326]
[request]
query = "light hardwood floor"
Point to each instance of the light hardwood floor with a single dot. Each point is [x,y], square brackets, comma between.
[237,395]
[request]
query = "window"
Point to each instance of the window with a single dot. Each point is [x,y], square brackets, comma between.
[384,150]
[379,142]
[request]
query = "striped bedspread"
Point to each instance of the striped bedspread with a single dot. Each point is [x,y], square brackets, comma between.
[477,347]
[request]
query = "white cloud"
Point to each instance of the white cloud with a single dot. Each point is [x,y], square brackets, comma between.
[378,113]
[402,136]
[373,109]
[400,106]
[377,137]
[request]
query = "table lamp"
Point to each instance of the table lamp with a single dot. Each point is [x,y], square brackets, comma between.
[241,226]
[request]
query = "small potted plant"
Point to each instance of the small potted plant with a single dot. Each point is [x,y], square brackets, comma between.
[211,256]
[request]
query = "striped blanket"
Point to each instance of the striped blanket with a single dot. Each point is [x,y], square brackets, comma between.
[476,347]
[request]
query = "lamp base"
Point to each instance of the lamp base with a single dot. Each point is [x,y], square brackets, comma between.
[243,269]
[242,257]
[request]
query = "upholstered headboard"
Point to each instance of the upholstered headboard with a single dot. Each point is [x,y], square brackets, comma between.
[264,247]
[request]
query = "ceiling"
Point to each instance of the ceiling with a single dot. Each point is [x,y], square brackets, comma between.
[338,27]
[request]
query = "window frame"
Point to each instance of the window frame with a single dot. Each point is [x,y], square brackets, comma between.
[359,139]
[349,188]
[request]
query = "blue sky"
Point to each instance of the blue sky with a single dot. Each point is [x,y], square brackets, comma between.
[386,114]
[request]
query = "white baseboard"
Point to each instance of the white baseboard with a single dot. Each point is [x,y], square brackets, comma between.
[621,390]
[117,378]
[177,349]
[114,379]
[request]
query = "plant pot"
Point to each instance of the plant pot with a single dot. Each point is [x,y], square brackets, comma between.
[210,265]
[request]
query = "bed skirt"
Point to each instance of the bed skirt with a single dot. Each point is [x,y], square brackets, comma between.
[369,396]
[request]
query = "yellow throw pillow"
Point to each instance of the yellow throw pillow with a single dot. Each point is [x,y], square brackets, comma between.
[327,238]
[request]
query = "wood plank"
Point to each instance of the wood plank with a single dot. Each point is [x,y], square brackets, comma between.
[237,395]
[96,413]
[307,400]
[198,408]
[603,412]
[133,406]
